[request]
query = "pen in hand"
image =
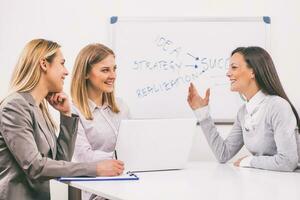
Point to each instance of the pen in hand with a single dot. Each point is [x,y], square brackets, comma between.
[116,155]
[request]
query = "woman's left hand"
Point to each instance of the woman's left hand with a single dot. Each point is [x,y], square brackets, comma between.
[60,102]
[237,163]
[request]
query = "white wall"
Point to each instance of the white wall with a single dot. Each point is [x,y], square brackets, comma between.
[76,23]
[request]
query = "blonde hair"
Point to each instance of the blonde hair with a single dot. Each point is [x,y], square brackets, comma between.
[87,57]
[27,72]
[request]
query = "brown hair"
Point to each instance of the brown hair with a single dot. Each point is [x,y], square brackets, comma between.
[265,72]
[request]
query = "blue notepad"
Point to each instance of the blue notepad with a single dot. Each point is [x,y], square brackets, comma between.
[124,177]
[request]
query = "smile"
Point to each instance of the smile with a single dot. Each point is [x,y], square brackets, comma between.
[109,83]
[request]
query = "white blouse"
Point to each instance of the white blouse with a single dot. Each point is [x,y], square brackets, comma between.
[96,139]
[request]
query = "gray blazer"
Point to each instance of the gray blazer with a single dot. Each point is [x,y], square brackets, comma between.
[30,152]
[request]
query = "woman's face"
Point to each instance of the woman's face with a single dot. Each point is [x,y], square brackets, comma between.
[102,76]
[240,75]
[56,73]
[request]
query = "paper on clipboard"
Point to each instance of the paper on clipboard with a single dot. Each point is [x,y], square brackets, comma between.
[124,177]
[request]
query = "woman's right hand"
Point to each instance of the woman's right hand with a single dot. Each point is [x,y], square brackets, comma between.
[110,168]
[194,99]
[60,102]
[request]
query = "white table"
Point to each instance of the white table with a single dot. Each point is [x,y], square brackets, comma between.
[201,180]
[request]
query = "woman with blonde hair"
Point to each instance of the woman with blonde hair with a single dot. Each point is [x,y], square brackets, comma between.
[92,91]
[30,152]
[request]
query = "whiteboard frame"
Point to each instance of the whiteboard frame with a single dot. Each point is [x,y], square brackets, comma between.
[266,19]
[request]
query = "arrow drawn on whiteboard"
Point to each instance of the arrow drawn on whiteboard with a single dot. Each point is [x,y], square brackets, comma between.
[196,58]
[196,66]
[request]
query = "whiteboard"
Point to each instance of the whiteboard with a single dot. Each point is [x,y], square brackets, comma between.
[157,58]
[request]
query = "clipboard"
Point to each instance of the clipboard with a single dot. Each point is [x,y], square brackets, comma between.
[124,177]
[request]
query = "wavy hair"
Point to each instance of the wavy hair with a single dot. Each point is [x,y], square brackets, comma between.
[87,57]
[27,72]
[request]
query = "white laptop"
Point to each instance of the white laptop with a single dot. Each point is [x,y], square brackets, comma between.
[155,144]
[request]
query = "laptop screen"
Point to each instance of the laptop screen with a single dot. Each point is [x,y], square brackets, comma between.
[155,144]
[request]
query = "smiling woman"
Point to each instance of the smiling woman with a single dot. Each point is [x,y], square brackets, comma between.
[102,77]
[100,113]
[268,124]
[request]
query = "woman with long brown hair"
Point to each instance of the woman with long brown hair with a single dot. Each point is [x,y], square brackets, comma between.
[268,124]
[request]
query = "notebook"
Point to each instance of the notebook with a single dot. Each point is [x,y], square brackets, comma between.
[155,144]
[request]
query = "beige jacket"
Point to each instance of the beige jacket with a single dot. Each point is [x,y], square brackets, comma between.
[30,152]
